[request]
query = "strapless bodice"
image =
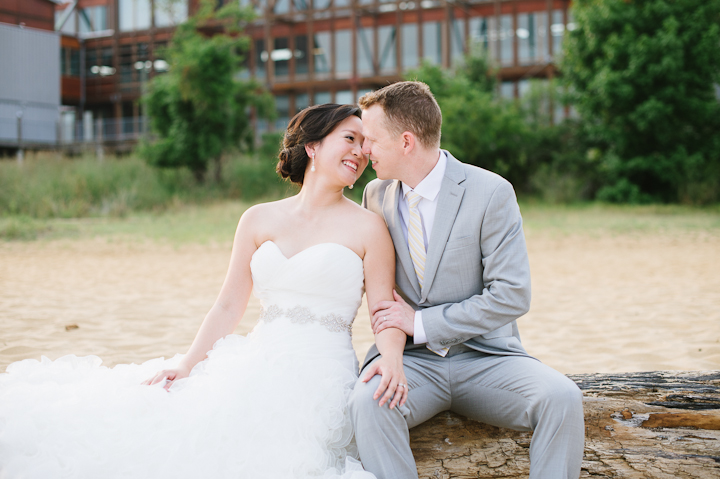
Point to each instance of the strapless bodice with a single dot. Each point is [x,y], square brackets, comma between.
[322,284]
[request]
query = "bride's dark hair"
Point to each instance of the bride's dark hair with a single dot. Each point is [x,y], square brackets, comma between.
[309,126]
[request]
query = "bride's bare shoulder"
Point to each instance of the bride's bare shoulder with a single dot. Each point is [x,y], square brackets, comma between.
[267,210]
[370,225]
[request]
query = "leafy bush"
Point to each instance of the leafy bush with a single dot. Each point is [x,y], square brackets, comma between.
[641,77]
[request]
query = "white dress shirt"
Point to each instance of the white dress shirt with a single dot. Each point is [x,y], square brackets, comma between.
[429,190]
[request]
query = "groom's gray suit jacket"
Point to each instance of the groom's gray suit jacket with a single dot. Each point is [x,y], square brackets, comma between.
[477,272]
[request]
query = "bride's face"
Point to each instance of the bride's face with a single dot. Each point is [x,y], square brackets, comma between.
[340,153]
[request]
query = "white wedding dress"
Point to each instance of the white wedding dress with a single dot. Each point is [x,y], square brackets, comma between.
[270,405]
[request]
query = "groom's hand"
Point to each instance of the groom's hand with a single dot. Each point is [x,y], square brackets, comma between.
[393,314]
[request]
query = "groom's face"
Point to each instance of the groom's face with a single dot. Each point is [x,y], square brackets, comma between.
[380,144]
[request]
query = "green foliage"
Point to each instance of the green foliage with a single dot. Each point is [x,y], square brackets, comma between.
[49,188]
[641,76]
[516,139]
[478,127]
[199,109]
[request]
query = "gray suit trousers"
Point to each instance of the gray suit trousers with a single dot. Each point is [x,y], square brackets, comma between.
[515,392]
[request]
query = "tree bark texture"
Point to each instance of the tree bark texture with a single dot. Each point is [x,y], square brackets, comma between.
[662,424]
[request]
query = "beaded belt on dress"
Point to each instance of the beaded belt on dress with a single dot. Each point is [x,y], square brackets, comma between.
[303,315]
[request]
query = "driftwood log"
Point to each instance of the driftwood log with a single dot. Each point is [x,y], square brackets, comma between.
[637,425]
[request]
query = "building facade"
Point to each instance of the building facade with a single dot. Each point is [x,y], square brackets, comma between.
[304,51]
[29,75]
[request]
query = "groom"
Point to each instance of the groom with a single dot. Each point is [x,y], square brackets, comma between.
[463,279]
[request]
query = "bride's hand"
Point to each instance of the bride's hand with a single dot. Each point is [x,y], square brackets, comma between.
[169,376]
[393,382]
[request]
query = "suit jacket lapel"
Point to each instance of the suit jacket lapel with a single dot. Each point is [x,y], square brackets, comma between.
[449,200]
[392,219]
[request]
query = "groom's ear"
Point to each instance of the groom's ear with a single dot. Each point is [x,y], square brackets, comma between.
[408,141]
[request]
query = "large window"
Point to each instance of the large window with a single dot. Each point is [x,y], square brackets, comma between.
[343,56]
[557,30]
[365,47]
[302,101]
[92,19]
[302,64]
[344,97]
[169,13]
[409,45]
[282,105]
[322,97]
[532,38]
[280,56]
[457,40]
[70,62]
[387,36]
[483,35]
[321,54]
[432,42]
[261,58]
[281,6]
[134,15]
[505,36]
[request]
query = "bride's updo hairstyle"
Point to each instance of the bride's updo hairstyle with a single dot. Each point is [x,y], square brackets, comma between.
[309,126]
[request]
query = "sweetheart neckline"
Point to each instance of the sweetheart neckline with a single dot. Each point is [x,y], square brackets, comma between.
[309,248]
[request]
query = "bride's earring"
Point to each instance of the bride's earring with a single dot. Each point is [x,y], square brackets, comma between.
[351,186]
[312,167]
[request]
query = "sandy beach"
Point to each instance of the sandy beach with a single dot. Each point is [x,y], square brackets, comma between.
[601,303]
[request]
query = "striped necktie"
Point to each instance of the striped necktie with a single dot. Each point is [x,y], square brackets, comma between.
[416,244]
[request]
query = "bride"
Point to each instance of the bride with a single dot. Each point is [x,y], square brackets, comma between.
[269,405]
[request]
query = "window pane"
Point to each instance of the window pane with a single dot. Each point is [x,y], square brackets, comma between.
[432,42]
[302,101]
[261,57]
[282,105]
[541,37]
[282,6]
[170,12]
[457,40]
[321,54]
[344,97]
[301,55]
[322,97]
[301,4]
[365,48]
[507,89]
[90,62]
[506,35]
[134,15]
[125,13]
[387,36]
[479,35]
[343,58]
[557,30]
[75,63]
[281,55]
[142,14]
[526,31]
[126,66]
[409,45]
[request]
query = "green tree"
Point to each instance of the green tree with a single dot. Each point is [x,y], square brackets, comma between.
[641,75]
[478,127]
[199,109]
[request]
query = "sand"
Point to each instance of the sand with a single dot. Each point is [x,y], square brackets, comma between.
[601,303]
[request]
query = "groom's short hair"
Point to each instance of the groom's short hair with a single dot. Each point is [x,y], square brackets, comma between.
[408,106]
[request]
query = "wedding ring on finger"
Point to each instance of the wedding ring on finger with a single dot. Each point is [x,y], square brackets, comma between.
[401,385]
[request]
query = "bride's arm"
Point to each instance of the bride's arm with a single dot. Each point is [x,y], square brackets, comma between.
[379,264]
[229,306]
